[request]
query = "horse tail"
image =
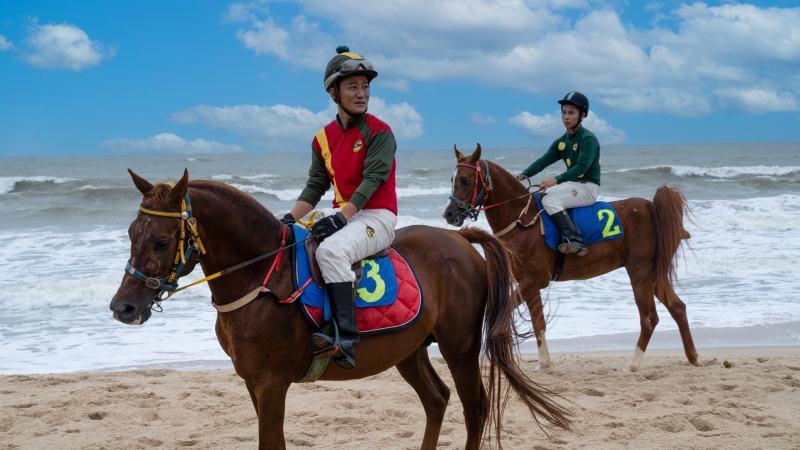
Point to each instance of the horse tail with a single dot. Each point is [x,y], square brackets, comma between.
[501,336]
[669,207]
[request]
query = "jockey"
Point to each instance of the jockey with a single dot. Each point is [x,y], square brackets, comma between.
[579,185]
[355,154]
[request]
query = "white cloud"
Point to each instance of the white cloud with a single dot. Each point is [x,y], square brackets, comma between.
[758,101]
[282,127]
[63,46]
[398,84]
[5,44]
[168,143]
[532,45]
[406,122]
[481,119]
[549,126]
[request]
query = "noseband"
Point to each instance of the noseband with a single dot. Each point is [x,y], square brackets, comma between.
[472,210]
[170,283]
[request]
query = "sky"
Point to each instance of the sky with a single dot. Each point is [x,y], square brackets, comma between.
[146,77]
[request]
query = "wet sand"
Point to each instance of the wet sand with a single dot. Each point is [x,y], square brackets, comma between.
[666,404]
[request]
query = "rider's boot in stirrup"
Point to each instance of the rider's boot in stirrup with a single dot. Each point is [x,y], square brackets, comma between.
[573,243]
[343,312]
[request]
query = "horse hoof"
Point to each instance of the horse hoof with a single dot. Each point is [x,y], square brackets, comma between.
[540,367]
[631,369]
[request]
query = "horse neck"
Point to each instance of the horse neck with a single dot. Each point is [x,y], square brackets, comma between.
[504,188]
[234,228]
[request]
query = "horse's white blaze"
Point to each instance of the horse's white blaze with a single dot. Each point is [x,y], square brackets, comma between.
[453,182]
[636,360]
[544,353]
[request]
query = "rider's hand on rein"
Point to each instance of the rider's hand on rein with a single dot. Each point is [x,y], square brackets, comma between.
[328,225]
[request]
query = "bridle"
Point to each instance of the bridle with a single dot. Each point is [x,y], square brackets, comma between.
[189,222]
[474,209]
[170,283]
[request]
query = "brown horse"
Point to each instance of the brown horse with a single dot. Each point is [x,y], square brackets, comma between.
[653,231]
[270,343]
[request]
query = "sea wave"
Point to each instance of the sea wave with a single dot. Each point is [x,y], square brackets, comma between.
[8,184]
[725,172]
[224,177]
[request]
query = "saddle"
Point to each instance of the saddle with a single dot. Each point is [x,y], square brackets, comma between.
[311,249]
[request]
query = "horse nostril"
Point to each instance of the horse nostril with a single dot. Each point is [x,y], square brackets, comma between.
[126,311]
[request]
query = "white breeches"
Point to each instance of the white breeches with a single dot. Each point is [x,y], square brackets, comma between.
[569,194]
[353,243]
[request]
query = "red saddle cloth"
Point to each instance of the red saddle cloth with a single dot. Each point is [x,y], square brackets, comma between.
[383,319]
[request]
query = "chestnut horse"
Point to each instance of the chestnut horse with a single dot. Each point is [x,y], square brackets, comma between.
[270,343]
[653,231]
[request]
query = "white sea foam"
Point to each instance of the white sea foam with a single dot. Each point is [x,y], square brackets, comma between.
[263,176]
[725,172]
[7,184]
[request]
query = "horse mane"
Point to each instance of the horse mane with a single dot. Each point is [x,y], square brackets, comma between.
[160,194]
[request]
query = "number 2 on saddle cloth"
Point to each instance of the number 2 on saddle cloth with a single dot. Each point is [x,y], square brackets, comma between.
[389,297]
[597,222]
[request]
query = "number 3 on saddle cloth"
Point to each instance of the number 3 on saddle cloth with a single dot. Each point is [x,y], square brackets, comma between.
[389,297]
[598,222]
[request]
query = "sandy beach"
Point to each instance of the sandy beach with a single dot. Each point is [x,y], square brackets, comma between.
[666,404]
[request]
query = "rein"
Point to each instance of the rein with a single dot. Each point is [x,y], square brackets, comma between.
[473,210]
[170,283]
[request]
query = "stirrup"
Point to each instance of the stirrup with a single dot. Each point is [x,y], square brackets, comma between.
[569,248]
[325,345]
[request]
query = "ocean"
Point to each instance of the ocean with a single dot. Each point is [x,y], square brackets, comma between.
[64,245]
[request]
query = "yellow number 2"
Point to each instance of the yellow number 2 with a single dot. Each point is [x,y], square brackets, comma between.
[607,230]
[380,285]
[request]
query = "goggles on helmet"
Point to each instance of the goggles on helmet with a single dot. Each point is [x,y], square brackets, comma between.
[354,64]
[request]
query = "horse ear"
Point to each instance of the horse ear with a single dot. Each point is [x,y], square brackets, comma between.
[459,156]
[477,155]
[179,191]
[141,184]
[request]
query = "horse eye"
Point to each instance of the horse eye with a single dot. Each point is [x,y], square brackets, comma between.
[465,181]
[163,243]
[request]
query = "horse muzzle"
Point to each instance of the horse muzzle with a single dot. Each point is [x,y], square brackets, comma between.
[453,216]
[129,313]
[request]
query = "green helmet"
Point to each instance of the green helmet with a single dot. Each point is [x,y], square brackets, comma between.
[346,64]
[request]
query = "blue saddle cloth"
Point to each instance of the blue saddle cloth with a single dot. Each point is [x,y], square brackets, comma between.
[598,222]
[378,286]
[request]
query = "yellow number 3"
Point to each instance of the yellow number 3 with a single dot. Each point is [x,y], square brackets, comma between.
[607,230]
[380,285]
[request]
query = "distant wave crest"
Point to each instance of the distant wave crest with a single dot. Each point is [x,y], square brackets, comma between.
[724,172]
[8,184]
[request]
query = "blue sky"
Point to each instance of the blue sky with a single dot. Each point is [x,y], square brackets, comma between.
[104,77]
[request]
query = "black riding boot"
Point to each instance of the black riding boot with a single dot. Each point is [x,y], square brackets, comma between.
[343,311]
[573,243]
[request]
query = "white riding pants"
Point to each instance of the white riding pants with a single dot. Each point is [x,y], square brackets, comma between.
[366,233]
[569,194]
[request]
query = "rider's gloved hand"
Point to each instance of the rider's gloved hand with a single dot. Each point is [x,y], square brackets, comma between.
[328,225]
[288,219]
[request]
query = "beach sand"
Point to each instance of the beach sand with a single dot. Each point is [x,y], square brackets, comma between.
[667,404]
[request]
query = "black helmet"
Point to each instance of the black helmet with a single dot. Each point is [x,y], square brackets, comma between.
[577,99]
[346,64]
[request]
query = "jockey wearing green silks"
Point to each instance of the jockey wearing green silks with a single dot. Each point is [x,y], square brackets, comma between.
[580,183]
[355,155]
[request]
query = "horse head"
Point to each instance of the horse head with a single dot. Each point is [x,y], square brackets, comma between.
[469,190]
[157,243]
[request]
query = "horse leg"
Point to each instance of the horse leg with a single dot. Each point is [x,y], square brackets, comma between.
[533,298]
[461,356]
[677,309]
[417,370]
[269,399]
[643,293]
